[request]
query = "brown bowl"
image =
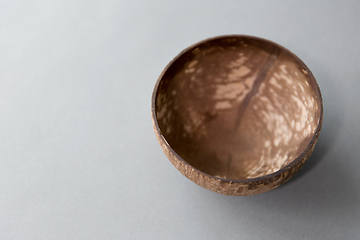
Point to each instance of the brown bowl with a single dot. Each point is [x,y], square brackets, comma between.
[238,115]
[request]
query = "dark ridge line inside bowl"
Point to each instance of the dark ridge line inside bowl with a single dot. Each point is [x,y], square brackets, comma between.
[273,56]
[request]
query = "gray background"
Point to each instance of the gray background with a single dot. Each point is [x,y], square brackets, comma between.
[79,159]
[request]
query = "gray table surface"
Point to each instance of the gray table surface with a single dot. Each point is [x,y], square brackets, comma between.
[79,159]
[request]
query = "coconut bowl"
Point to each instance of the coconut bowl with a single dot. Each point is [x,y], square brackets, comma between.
[238,115]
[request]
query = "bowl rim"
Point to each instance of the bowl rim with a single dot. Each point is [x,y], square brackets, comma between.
[293,163]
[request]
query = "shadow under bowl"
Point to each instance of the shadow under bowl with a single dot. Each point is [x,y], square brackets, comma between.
[236,114]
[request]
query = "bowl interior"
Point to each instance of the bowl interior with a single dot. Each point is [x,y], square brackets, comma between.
[237,107]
